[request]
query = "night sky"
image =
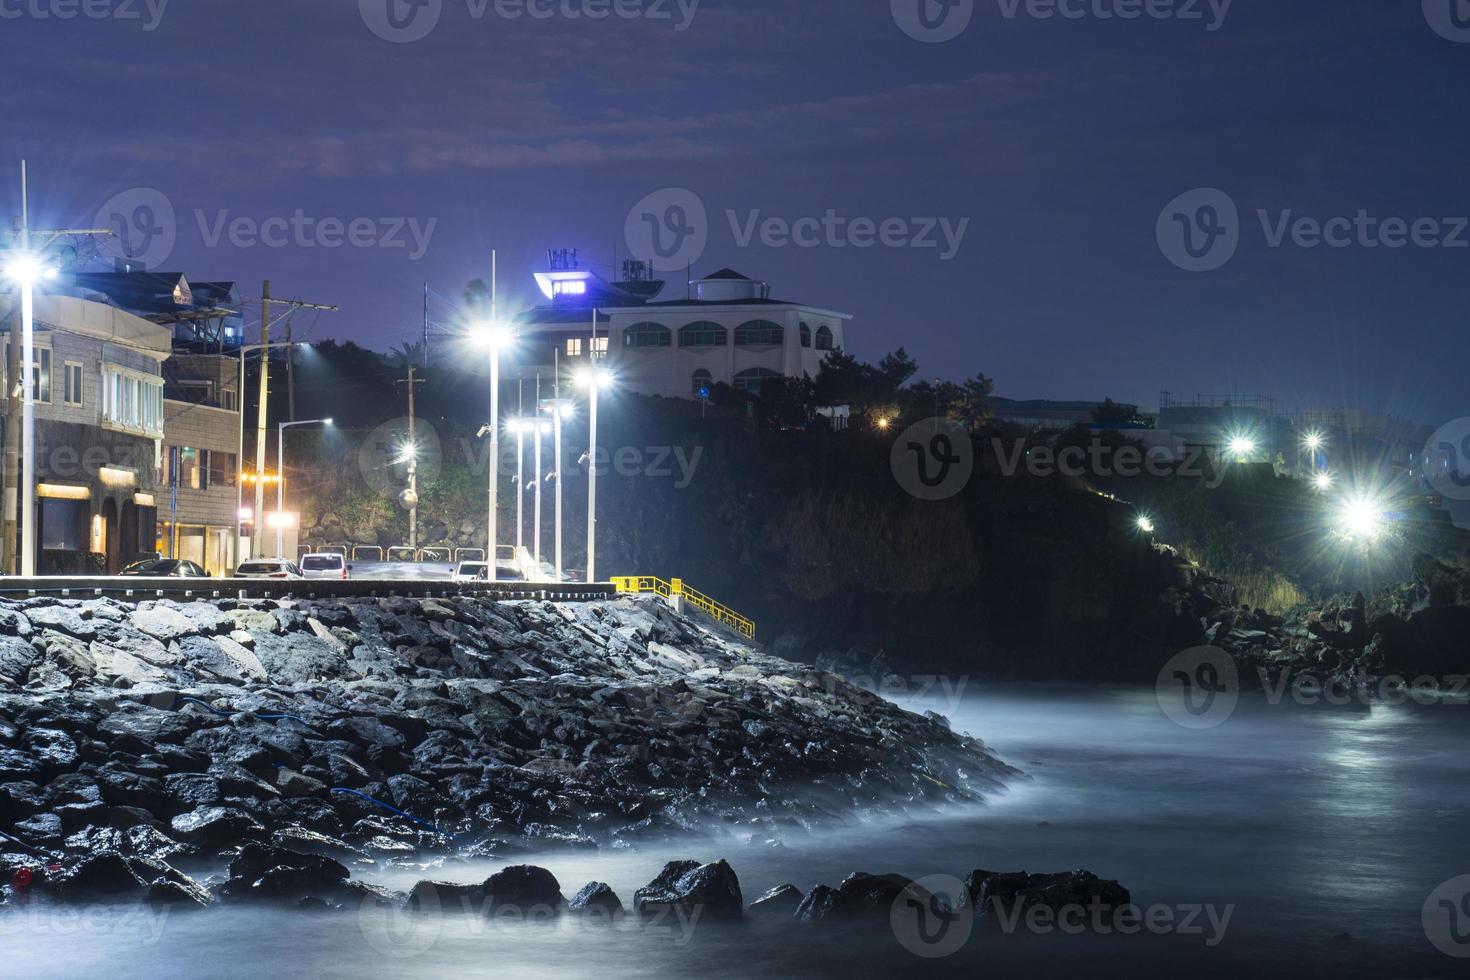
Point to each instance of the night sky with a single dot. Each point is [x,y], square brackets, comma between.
[1060,141]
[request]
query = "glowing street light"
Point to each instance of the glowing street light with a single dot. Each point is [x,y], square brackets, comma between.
[1361,517]
[1323,482]
[884,423]
[25,270]
[495,337]
[594,379]
[1145,524]
[1313,441]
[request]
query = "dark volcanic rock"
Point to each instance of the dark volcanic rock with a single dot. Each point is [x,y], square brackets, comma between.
[711,888]
[525,887]
[595,897]
[996,894]
[216,826]
[432,897]
[860,895]
[782,901]
[264,872]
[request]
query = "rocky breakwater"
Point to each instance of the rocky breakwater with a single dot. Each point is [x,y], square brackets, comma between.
[138,742]
[1413,631]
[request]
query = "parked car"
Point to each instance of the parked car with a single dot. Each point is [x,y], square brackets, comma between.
[472,571]
[268,568]
[165,568]
[325,565]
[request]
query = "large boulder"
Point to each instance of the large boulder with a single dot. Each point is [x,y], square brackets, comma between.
[596,898]
[216,826]
[524,887]
[995,894]
[264,872]
[781,901]
[713,890]
[859,896]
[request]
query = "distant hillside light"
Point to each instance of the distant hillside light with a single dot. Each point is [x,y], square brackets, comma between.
[1242,447]
[1313,441]
[1145,524]
[1361,517]
[1323,482]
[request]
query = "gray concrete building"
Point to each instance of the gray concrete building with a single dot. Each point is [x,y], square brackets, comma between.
[197,503]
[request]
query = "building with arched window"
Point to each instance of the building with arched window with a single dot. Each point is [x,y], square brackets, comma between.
[728,331]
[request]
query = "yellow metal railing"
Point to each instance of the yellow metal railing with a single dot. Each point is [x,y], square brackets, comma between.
[675,588]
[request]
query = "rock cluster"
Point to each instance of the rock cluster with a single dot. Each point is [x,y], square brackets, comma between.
[1411,629]
[367,730]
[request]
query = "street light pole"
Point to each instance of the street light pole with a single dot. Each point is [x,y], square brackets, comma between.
[560,410]
[536,527]
[281,477]
[593,379]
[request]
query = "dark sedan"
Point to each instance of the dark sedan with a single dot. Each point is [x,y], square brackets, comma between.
[165,568]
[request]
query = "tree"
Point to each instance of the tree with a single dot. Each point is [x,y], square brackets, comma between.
[1114,413]
[973,405]
[897,368]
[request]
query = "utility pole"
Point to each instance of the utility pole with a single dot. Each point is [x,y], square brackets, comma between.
[292,305]
[290,382]
[412,451]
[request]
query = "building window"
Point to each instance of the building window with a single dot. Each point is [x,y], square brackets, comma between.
[132,401]
[703,334]
[702,382]
[574,347]
[195,392]
[759,333]
[824,338]
[71,377]
[648,335]
[42,375]
[221,468]
[599,347]
[753,380]
[806,334]
[185,468]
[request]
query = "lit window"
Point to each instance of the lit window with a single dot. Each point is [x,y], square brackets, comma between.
[574,347]
[599,348]
[41,376]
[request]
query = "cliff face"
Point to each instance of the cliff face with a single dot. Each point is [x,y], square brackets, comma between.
[381,727]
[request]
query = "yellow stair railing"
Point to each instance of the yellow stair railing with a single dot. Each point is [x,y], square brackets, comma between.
[677,589]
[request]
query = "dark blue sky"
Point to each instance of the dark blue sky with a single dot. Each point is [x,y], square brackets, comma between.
[1060,141]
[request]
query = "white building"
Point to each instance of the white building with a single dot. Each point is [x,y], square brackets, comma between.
[728,331]
[732,332]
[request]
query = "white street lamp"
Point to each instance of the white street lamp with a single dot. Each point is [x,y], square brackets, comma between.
[25,270]
[561,409]
[594,379]
[495,337]
[540,429]
[281,477]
